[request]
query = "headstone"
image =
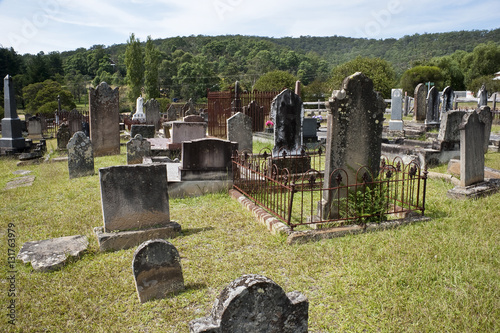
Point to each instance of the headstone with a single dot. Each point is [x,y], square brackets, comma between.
[80,156]
[51,254]
[63,136]
[432,107]
[207,159]
[354,137]
[310,130]
[193,119]
[486,117]
[75,120]
[448,98]
[471,150]
[152,107]
[482,96]
[396,122]
[182,131]
[157,270]
[137,148]
[239,129]
[104,120]
[449,130]
[172,113]
[166,130]
[419,104]
[139,111]
[494,99]
[12,136]
[287,112]
[297,87]
[255,303]
[406,107]
[35,128]
[146,131]
[188,109]
[256,113]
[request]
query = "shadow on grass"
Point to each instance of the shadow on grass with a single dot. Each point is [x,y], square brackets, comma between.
[192,231]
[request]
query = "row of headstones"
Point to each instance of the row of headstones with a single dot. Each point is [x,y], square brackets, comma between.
[251,303]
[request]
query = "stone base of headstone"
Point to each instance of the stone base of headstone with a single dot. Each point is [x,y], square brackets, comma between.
[294,164]
[51,254]
[431,125]
[396,125]
[193,175]
[475,191]
[147,131]
[30,156]
[121,240]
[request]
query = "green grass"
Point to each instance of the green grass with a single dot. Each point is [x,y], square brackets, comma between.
[437,276]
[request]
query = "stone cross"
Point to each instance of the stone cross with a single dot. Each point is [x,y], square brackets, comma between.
[137,148]
[419,104]
[157,270]
[104,120]
[432,106]
[471,150]
[287,111]
[448,98]
[80,156]
[396,122]
[354,137]
[255,303]
[12,135]
[239,129]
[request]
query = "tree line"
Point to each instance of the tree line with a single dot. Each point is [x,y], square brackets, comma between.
[185,67]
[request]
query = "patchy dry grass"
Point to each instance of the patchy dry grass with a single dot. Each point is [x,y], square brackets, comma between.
[436,276]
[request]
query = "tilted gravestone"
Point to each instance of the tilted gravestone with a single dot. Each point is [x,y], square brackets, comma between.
[135,206]
[419,104]
[486,117]
[287,111]
[448,98]
[449,131]
[482,96]
[80,156]
[12,139]
[354,137]
[255,303]
[152,111]
[63,136]
[157,270]
[137,148]
[432,106]
[471,150]
[239,129]
[396,122]
[104,120]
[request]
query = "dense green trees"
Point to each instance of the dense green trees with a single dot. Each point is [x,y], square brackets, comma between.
[41,97]
[152,60]
[422,74]
[275,81]
[135,67]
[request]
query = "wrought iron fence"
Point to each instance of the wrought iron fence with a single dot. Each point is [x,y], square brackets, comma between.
[299,197]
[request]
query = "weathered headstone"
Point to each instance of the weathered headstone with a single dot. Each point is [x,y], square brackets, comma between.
[137,148]
[482,96]
[354,138]
[448,98]
[207,159]
[396,122]
[287,112]
[63,136]
[80,156]
[75,120]
[486,117]
[239,129]
[35,128]
[50,254]
[256,113]
[309,130]
[471,150]
[104,120]
[152,111]
[135,206]
[187,131]
[146,131]
[419,104]
[432,107]
[449,131]
[406,105]
[157,270]
[172,113]
[139,111]
[255,303]
[12,140]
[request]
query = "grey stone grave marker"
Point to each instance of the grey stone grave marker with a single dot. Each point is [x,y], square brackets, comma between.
[432,107]
[449,131]
[310,130]
[172,113]
[35,128]
[448,98]
[239,129]
[471,150]
[396,122]
[146,131]
[80,156]
[75,120]
[255,303]
[12,136]
[482,96]
[419,104]
[137,148]
[63,136]
[104,120]
[287,111]
[354,137]
[157,270]
[152,111]
[486,117]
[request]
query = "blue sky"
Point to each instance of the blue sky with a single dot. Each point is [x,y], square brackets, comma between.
[30,26]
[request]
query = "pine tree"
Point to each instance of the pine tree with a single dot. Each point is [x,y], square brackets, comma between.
[151,64]
[135,67]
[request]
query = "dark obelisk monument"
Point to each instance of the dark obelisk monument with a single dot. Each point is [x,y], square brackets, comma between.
[12,140]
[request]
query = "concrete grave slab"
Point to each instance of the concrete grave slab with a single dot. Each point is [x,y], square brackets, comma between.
[20,182]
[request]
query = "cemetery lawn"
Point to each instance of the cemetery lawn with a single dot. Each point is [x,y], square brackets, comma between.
[436,276]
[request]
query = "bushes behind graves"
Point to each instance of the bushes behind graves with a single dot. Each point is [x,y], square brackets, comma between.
[41,97]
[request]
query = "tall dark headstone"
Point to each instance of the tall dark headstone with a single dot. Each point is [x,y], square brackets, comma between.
[12,140]
[354,138]
[287,111]
[448,98]
[419,104]
[104,120]
[432,106]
